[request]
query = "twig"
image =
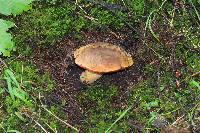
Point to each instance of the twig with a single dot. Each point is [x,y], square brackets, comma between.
[67,124]
[177,120]
[60,119]
[197,50]
[144,41]
[148,22]
[50,127]
[37,123]
[86,14]
[88,17]
[3,128]
[113,8]
[193,75]
[74,101]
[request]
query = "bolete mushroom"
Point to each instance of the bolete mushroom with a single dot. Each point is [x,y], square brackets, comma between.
[99,58]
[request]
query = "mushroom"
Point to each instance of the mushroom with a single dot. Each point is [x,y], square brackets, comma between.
[99,58]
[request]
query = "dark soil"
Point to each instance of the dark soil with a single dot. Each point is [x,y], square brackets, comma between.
[58,60]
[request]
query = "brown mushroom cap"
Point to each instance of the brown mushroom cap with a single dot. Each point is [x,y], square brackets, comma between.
[102,57]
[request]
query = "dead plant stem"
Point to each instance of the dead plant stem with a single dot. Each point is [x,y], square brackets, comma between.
[67,124]
[37,123]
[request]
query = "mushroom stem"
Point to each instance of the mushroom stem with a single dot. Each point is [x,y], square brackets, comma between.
[89,77]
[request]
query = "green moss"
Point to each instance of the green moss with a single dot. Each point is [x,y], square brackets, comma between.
[102,114]
[46,25]
[54,123]
[28,74]
[17,113]
[149,104]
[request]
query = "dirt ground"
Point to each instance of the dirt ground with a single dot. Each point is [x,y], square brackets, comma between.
[59,61]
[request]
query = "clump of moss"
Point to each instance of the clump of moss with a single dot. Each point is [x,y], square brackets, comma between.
[46,24]
[100,110]
[16,111]
[28,74]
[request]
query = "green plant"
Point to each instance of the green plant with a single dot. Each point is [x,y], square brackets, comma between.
[120,117]
[6,43]
[14,88]
[102,115]
[27,74]
[10,7]
[18,95]
[15,101]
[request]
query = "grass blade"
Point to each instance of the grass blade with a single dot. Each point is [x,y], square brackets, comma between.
[13,131]
[119,118]
[11,75]
[14,88]
[195,10]
[10,90]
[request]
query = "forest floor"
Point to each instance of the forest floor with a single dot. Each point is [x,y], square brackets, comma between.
[159,93]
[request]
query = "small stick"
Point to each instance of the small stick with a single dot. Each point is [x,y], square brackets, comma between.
[60,119]
[193,75]
[86,14]
[67,124]
[88,17]
[3,128]
[176,121]
[37,123]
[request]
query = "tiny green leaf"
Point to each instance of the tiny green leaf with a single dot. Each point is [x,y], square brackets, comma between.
[19,115]
[194,83]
